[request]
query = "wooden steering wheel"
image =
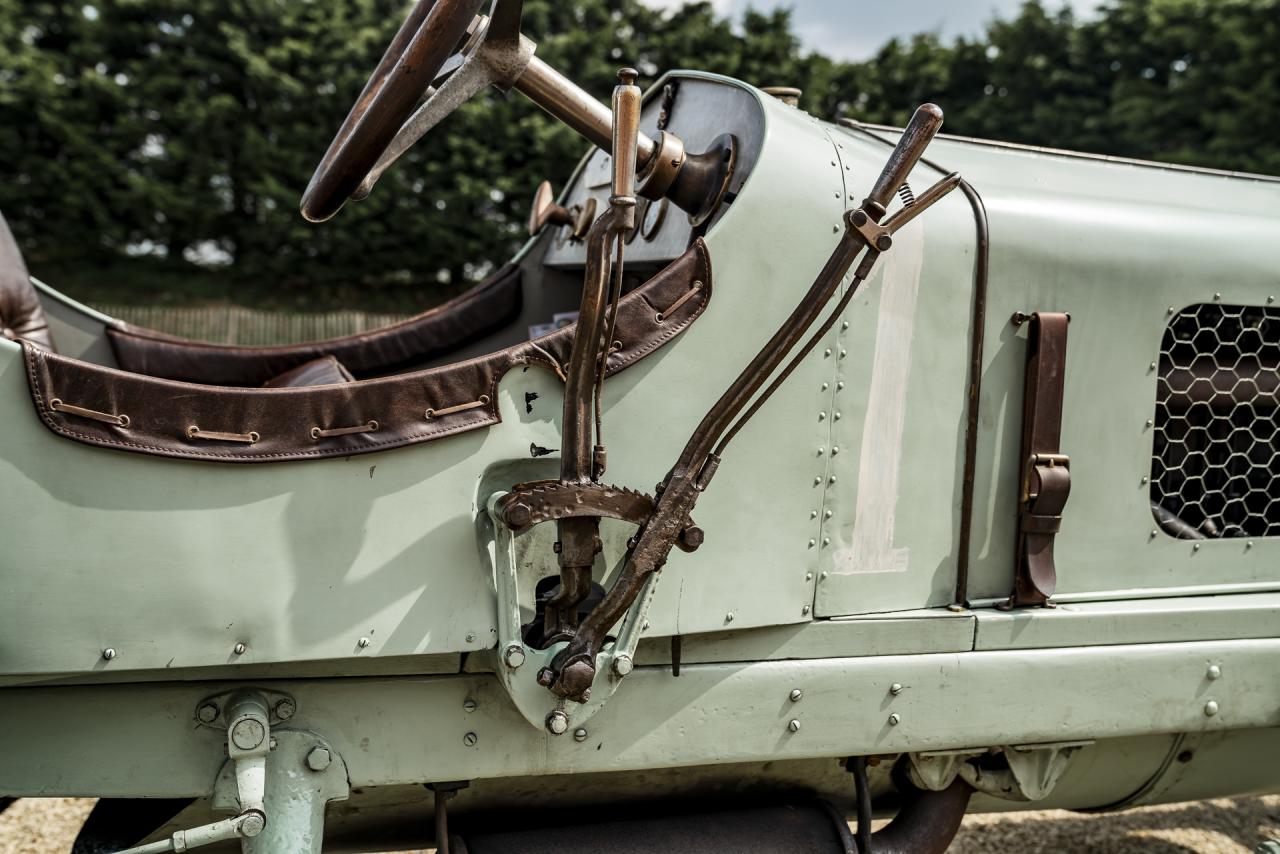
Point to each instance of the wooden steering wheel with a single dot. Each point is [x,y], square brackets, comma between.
[429,36]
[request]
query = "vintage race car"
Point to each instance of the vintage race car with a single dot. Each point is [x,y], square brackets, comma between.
[913,549]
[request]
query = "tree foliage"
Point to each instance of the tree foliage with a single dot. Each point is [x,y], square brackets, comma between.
[144,135]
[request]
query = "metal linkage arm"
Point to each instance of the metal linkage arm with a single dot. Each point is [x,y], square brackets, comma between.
[573,670]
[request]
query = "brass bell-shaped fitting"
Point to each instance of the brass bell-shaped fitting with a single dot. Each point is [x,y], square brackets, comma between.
[545,210]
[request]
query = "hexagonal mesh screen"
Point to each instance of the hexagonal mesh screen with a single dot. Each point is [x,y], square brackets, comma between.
[1216,467]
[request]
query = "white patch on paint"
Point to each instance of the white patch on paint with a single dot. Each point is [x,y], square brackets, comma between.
[880,462]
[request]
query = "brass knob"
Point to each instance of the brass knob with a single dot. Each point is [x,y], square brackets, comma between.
[545,210]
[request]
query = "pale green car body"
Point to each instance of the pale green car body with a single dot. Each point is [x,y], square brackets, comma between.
[833,531]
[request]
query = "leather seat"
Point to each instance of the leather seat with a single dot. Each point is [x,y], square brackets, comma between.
[22,316]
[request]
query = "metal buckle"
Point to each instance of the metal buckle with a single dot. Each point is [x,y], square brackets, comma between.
[1041,460]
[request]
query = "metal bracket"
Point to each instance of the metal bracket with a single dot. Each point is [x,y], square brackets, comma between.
[936,770]
[518,663]
[1034,770]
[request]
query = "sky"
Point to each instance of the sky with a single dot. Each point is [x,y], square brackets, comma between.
[854,29]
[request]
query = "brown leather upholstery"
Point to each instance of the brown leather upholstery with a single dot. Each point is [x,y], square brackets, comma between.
[126,411]
[488,306]
[326,371]
[21,315]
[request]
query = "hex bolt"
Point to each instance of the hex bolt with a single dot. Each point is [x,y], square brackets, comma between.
[796,695]
[794,725]
[470,739]
[285,709]
[319,758]
[1214,672]
[108,653]
[895,689]
[579,735]
[248,733]
[363,643]
[469,705]
[557,723]
[207,713]
[1211,708]
[239,649]
[894,719]
[513,656]
[622,665]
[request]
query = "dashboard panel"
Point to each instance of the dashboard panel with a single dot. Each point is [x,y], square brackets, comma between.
[699,110]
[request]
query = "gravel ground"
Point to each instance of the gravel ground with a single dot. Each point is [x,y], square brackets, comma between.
[47,826]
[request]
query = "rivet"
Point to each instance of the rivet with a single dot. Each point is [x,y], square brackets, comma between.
[1151,366]
[728,618]
[796,695]
[838,195]
[808,576]
[804,609]
[821,451]
[835,229]
[827,353]
[108,653]
[822,416]
[794,725]
[844,325]
[1169,310]
[895,689]
[833,163]
[826,386]
[835,449]
[894,719]
[817,481]
[813,514]
[826,514]
[470,739]
[843,353]
[1217,296]
[823,575]
[826,541]
[471,638]
[812,543]
[1214,672]
[1211,708]
[837,416]
[1271,299]
[363,643]
[1196,547]
[840,386]
[580,734]
[1145,479]
[1150,423]
[831,479]
[1249,544]
[469,705]
[207,713]
[239,649]
[1154,533]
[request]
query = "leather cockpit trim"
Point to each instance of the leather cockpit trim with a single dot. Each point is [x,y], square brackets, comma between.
[161,413]
[490,305]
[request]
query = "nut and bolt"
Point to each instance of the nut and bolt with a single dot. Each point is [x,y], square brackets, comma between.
[108,653]
[794,725]
[285,709]
[363,643]
[248,733]
[513,656]
[470,739]
[546,676]
[207,713]
[239,649]
[579,735]
[557,723]
[252,825]
[1214,672]
[469,705]
[1211,708]
[796,695]
[622,665]
[894,719]
[319,758]
[895,689]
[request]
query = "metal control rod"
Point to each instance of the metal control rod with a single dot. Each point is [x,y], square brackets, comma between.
[571,104]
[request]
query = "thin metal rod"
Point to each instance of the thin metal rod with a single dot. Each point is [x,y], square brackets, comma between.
[571,104]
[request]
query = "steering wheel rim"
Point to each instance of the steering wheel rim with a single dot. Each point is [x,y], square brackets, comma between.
[423,44]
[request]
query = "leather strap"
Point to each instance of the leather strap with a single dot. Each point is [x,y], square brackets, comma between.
[1046,471]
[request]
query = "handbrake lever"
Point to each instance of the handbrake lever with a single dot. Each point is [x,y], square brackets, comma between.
[572,672]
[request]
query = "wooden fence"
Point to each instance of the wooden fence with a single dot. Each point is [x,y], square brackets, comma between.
[236,325]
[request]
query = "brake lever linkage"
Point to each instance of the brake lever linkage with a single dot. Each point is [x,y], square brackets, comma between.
[572,671]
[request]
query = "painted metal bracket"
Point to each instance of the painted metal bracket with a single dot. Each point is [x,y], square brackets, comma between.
[1032,773]
[518,663]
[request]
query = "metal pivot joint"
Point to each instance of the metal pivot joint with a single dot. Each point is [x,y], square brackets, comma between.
[572,671]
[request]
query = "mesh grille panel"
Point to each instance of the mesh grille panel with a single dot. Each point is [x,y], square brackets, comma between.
[1216,470]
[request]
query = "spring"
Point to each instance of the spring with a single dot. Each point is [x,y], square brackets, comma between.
[908,197]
